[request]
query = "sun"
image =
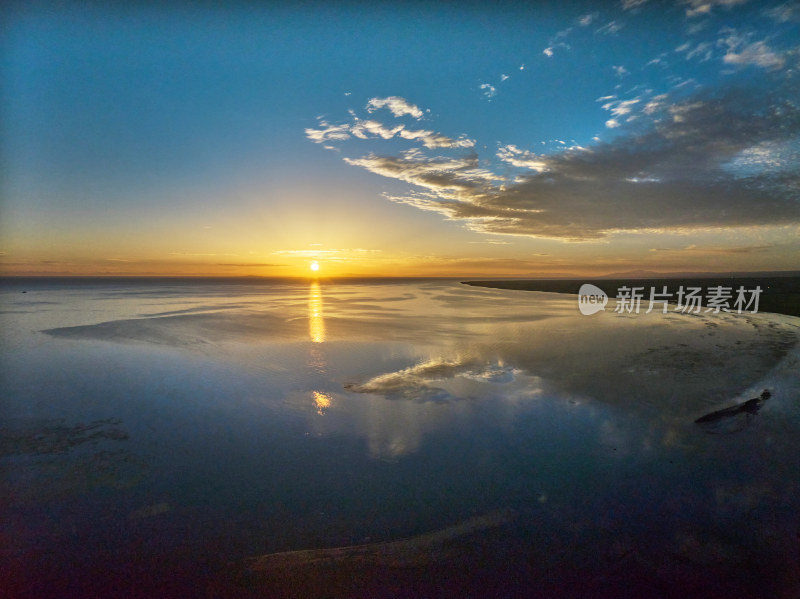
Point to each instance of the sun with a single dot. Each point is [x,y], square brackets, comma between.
[314,266]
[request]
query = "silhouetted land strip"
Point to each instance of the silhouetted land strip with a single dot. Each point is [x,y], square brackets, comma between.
[780,295]
[751,406]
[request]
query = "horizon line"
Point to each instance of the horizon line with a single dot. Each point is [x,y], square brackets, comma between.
[481,277]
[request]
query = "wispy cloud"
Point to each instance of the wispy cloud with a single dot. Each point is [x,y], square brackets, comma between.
[557,41]
[703,50]
[195,254]
[629,4]
[497,242]
[741,52]
[704,7]
[610,28]
[655,104]
[251,264]
[522,158]
[729,250]
[311,253]
[434,173]
[677,173]
[370,128]
[399,106]
[619,70]
[783,13]
[620,107]
[304,253]
[489,91]
[436,140]
[328,132]
[328,255]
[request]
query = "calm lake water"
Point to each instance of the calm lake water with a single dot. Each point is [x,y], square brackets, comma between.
[156,434]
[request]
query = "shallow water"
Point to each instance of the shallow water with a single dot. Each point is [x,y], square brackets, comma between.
[156,434]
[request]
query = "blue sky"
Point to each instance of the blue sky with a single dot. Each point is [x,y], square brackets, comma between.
[481,138]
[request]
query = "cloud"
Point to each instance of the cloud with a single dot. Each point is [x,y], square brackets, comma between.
[304,253]
[328,132]
[620,71]
[704,7]
[436,140]
[702,250]
[250,264]
[756,53]
[629,4]
[521,158]
[703,50]
[557,42]
[678,172]
[587,19]
[612,123]
[765,156]
[367,129]
[437,174]
[784,13]
[610,28]
[399,106]
[489,91]
[655,104]
[620,107]
[327,253]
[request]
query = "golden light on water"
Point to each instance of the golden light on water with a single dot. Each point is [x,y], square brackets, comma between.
[316,321]
[322,401]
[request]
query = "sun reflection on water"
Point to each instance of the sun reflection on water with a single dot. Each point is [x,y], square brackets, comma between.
[322,401]
[316,321]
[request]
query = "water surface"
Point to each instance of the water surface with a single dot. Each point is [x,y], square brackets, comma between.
[158,433]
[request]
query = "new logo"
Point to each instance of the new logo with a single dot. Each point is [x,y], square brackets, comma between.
[591,299]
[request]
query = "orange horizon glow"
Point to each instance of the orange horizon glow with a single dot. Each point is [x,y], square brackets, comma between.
[514,259]
[384,271]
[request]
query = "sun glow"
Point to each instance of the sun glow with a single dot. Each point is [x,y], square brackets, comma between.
[314,266]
